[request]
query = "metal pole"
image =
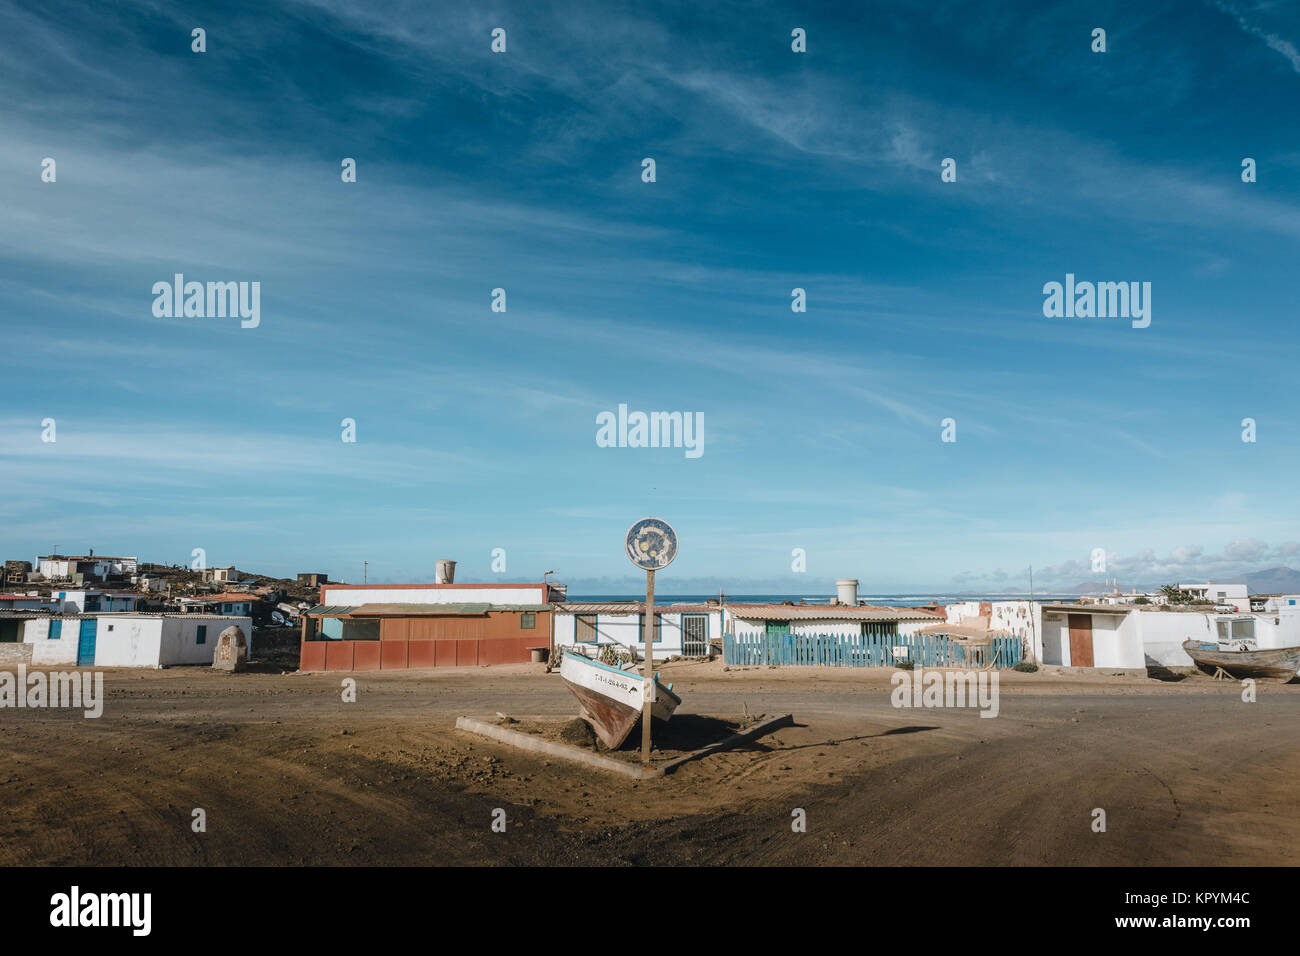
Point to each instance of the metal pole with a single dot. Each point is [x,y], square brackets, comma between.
[649,664]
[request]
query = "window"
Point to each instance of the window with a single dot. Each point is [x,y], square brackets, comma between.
[110,627]
[657,638]
[56,630]
[202,636]
[361,629]
[1243,629]
[528,620]
[584,629]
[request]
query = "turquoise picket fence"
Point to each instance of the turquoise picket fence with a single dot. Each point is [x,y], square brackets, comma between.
[867,650]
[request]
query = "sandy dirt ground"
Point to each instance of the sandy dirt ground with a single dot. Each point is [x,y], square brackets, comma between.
[290,774]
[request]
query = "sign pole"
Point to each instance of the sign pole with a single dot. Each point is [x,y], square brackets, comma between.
[649,665]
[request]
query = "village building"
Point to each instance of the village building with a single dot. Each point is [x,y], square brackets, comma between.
[1234,594]
[83,568]
[680,630]
[118,640]
[26,602]
[1273,602]
[836,620]
[93,600]
[396,626]
[1133,637]
[230,603]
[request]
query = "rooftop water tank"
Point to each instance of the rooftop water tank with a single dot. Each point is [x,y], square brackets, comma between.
[846,590]
[446,573]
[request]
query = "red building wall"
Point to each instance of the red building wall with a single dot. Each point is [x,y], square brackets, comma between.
[415,642]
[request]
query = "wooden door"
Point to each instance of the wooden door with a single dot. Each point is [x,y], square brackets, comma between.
[1080,640]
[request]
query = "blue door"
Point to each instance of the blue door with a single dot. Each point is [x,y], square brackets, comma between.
[86,644]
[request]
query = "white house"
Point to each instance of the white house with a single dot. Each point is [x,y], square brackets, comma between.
[26,602]
[1234,594]
[1275,602]
[1082,635]
[93,600]
[127,640]
[681,630]
[61,567]
[748,620]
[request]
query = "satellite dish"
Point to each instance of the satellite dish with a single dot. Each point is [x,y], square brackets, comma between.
[651,544]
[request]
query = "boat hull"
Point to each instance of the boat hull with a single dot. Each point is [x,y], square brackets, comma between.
[612,699]
[1273,663]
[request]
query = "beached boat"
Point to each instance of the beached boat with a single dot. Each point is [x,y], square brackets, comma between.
[1241,659]
[612,699]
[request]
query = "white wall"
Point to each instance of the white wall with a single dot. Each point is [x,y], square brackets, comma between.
[129,641]
[1282,601]
[179,639]
[379,594]
[61,650]
[1116,641]
[1054,641]
[1155,638]
[625,629]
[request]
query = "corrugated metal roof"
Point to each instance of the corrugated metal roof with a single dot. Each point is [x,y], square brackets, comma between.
[329,610]
[418,610]
[826,612]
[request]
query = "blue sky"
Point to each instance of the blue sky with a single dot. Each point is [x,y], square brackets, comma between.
[775,170]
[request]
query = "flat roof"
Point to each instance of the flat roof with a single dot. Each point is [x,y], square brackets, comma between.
[417,610]
[823,612]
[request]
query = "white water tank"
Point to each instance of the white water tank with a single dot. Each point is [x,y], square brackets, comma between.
[446,573]
[846,591]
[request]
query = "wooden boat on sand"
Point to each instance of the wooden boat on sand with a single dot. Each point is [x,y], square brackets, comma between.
[1272,663]
[612,699]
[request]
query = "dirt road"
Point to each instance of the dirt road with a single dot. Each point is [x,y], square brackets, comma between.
[287,773]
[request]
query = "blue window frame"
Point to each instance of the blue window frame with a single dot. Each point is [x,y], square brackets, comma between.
[56,630]
[657,637]
[586,629]
[202,636]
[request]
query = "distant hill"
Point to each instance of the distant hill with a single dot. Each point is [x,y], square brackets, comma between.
[1274,581]
[1267,581]
[1100,587]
